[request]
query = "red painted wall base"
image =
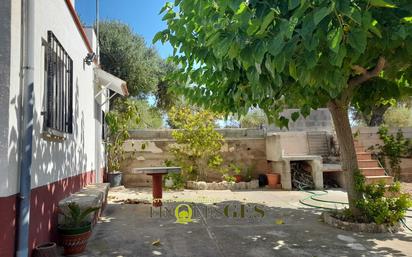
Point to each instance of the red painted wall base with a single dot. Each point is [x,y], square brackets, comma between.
[43,213]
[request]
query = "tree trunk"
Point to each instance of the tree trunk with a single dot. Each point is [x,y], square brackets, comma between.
[349,161]
[377,115]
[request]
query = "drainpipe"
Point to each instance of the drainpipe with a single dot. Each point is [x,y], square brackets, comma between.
[97,32]
[26,128]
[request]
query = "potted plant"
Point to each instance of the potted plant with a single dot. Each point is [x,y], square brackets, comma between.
[236,170]
[76,228]
[118,122]
[226,175]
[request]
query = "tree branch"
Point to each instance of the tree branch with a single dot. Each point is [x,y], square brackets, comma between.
[359,69]
[366,74]
[359,79]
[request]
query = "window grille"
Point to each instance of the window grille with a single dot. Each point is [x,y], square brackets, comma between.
[59,70]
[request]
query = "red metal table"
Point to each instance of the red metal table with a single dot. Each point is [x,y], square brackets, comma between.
[156,173]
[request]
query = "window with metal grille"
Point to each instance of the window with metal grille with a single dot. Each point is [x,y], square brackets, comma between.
[59,86]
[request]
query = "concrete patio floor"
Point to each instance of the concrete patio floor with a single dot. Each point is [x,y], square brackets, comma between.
[222,227]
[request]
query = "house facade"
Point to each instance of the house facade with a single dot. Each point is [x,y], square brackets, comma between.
[67,149]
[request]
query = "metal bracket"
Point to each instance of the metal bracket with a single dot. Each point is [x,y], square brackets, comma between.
[104,89]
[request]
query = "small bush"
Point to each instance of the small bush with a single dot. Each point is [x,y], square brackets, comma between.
[380,204]
[198,144]
[394,148]
[179,181]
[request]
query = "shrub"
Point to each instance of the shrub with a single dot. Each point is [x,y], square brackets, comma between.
[179,181]
[394,147]
[381,204]
[198,144]
[118,125]
[229,172]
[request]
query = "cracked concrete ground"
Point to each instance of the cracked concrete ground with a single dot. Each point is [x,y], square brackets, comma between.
[270,223]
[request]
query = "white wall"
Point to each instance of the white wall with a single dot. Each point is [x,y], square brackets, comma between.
[52,161]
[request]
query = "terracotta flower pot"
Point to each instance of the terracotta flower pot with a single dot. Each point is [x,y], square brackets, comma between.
[48,249]
[273,179]
[74,241]
[74,244]
[238,178]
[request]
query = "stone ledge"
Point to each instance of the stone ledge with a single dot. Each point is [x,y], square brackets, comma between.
[224,185]
[93,195]
[359,227]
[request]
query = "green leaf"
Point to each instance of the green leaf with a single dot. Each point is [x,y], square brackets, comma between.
[253,27]
[305,110]
[320,14]
[407,19]
[234,50]
[259,51]
[376,31]
[276,46]
[242,8]
[157,37]
[292,4]
[295,116]
[266,21]
[292,70]
[269,66]
[357,40]
[165,7]
[291,27]
[280,62]
[282,122]
[169,15]
[381,3]
[335,37]
[337,58]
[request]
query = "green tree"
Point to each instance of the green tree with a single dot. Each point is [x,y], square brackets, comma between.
[124,54]
[398,117]
[198,144]
[238,54]
[255,118]
[149,116]
[377,96]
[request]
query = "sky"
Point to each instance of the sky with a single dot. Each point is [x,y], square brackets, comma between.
[141,15]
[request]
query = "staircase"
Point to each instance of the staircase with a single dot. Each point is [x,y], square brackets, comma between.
[370,168]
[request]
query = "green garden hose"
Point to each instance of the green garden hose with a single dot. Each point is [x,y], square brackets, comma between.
[313,195]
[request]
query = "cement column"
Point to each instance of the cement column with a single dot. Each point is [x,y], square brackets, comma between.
[317,173]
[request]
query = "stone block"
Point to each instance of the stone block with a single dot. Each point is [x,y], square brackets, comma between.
[201,185]
[273,147]
[254,184]
[93,196]
[317,173]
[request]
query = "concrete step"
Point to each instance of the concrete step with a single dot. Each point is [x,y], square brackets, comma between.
[360,149]
[363,156]
[373,171]
[376,179]
[368,164]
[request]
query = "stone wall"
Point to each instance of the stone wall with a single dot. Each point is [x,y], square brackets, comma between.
[368,137]
[318,120]
[244,147]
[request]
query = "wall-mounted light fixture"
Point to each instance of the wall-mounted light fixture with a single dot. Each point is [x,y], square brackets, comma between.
[89,58]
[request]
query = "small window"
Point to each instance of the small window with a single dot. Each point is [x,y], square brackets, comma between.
[59,86]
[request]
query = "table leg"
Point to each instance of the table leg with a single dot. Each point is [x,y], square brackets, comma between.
[157,189]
